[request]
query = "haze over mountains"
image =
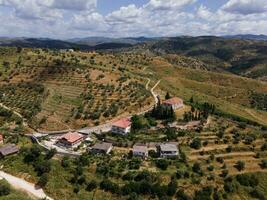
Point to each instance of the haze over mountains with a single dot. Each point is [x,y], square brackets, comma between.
[96,43]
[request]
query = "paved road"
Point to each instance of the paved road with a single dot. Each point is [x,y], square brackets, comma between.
[24,185]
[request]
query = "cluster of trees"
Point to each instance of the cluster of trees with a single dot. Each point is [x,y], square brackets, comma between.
[199,111]
[162,112]
[40,162]
[259,101]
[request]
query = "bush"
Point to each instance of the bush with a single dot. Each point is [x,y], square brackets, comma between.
[162,164]
[240,165]
[108,185]
[256,193]
[224,173]
[247,180]
[43,180]
[204,194]
[196,167]
[263,164]
[180,195]
[196,143]
[91,185]
[172,187]
[4,189]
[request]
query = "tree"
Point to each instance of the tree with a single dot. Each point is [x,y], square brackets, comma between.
[162,164]
[172,187]
[51,153]
[43,180]
[196,143]
[240,165]
[4,189]
[167,96]
[91,185]
[196,167]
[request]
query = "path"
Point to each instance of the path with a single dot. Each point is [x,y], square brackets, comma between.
[15,112]
[24,185]
[107,127]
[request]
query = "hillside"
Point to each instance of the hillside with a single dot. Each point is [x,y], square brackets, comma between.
[56,90]
[230,93]
[242,57]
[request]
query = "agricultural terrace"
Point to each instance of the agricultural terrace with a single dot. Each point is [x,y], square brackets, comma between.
[56,90]
[218,159]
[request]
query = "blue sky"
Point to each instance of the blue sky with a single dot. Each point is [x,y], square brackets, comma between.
[124,18]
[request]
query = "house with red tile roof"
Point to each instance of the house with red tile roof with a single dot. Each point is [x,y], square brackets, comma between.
[71,139]
[174,103]
[122,126]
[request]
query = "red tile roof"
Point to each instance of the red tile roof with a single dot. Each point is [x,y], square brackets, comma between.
[123,123]
[173,101]
[72,137]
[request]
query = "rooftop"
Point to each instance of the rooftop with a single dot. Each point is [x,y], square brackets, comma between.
[9,149]
[1,137]
[72,137]
[168,147]
[122,123]
[140,148]
[173,101]
[102,146]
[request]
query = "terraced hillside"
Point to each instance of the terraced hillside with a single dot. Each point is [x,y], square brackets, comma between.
[58,90]
[231,94]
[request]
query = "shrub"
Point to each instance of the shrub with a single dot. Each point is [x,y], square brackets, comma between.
[205,193]
[4,189]
[196,167]
[91,185]
[224,173]
[43,180]
[247,180]
[180,195]
[264,147]
[196,143]
[229,149]
[263,164]
[108,185]
[162,164]
[172,187]
[256,193]
[210,168]
[240,165]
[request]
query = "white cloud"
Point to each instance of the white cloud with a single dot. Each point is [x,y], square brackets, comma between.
[246,7]
[167,4]
[79,5]
[80,18]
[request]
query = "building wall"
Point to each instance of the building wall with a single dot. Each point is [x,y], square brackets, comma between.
[119,130]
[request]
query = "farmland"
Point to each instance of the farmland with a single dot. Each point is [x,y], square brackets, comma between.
[72,89]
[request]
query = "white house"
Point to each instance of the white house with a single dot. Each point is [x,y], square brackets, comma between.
[140,151]
[123,126]
[168,150]
[174,103]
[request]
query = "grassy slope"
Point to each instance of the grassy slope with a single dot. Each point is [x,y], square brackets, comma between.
[228,92]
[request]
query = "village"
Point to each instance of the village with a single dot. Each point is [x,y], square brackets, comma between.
[75,143]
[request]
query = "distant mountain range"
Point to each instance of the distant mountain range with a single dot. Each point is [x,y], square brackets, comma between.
[100,43]
[247,37]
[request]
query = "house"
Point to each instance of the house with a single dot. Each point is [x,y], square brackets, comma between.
[1,139]
[174,103]
[8,149]
[140,151]
[102,148]
[122,126]
[71,139]
[167,150]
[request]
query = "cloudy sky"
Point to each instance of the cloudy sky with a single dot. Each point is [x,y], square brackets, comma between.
[123,18]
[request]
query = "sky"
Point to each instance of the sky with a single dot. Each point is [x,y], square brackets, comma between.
[64,19]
